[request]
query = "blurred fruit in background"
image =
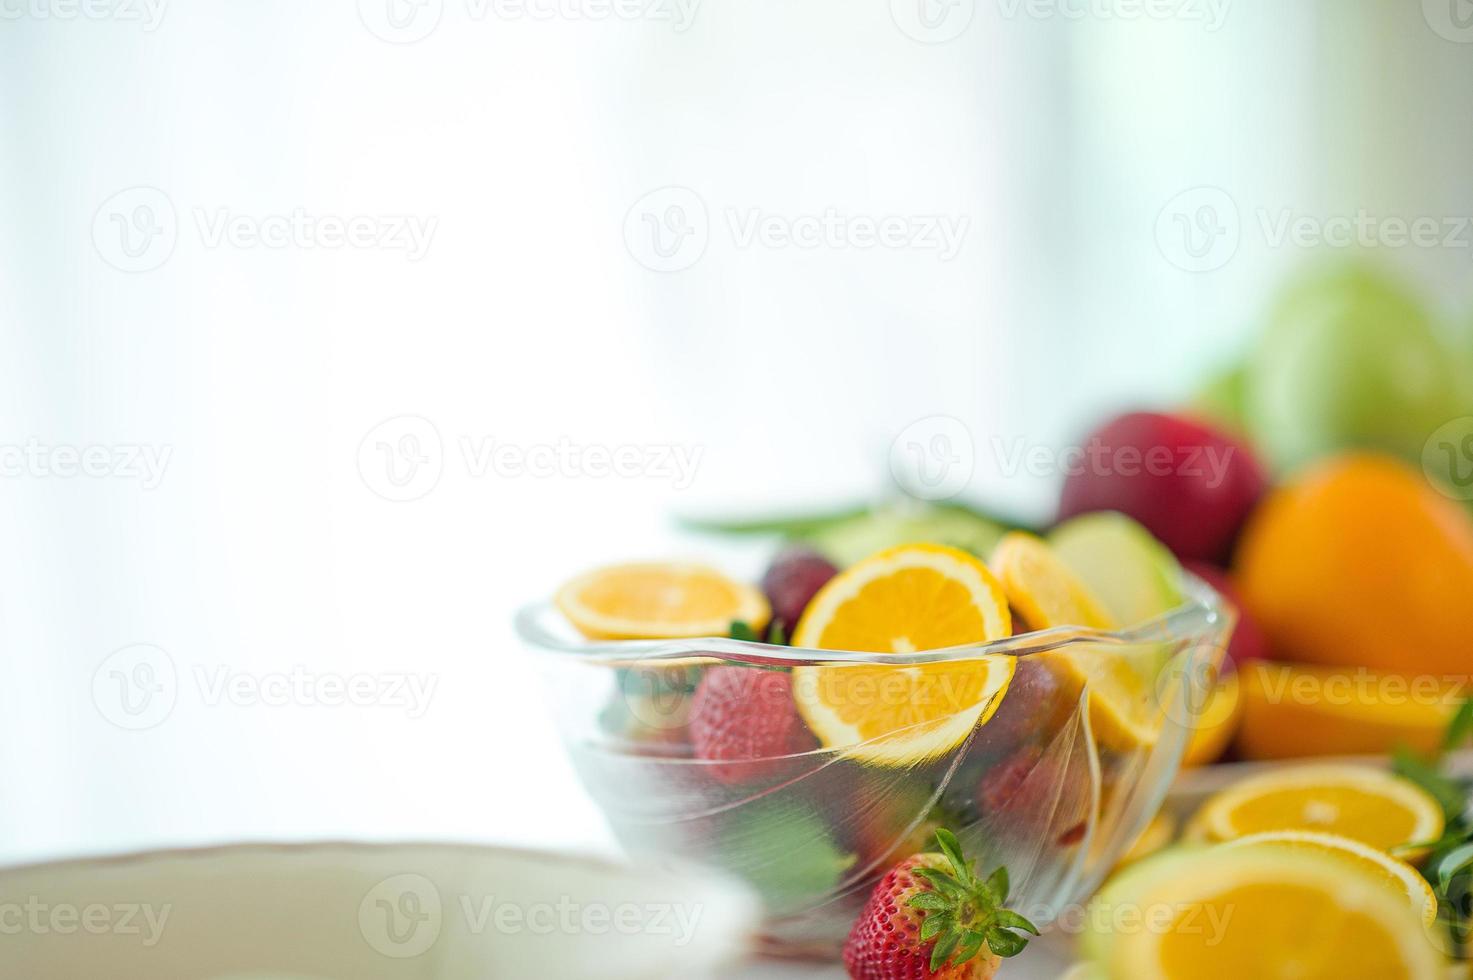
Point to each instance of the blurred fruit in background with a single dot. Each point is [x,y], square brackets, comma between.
[1292,710]
[1357,561]
[1350,359]
[1221,402]
[1191,485]
[791,582]
[1249,641]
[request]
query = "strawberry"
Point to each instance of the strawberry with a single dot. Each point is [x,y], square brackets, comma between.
[931,916]
[745,716]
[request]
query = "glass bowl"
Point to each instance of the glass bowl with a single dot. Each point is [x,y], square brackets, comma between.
[1044,785]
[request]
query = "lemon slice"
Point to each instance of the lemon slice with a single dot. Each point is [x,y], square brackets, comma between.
[902,600]
[659,600]
[1123,709]
[1399,873]
[1366,805]
[1266,913]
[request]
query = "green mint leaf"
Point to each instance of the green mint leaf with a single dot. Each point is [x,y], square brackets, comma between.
[1460,727]
[1446,791]
[1008,919]
[943,949]
[1005,943]
[742,630]
[928,900]
[1453,864]
[998,885]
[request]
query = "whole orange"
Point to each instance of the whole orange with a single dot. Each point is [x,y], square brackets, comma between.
[1357,561]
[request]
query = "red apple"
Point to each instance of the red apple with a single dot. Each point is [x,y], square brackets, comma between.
[1249,641]
[1191,485]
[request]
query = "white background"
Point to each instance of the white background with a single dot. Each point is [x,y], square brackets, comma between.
[269,544]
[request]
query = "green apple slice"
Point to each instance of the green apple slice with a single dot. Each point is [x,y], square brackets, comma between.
[1132,573]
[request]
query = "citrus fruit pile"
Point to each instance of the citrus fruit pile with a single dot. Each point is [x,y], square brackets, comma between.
[1297,872]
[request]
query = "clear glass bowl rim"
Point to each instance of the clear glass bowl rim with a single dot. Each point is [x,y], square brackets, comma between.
[1204,613]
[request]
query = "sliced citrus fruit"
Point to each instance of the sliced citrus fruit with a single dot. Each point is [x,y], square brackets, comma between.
[1157,835]
[1366,805]
[659,600]
[1135,576]
[1217,723]
[1398,873]
[1121,680]
[902,600]
[1297,710]
[1230,913]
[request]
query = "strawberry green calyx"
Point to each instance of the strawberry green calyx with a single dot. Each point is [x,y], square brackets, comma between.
[963,912]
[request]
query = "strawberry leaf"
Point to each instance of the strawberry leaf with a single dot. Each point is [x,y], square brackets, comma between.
[943,949]
[953,851]
[942,882]
[971,944]
[1008,919]
[932,925]
[742,630]
[998,885]
[1005,943]
[928,900]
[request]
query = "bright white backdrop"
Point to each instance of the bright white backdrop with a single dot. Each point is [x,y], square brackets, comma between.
[178,284]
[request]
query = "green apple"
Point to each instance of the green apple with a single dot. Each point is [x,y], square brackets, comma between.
[1133,574]
[1350,359]
[856,538]
[1221,400]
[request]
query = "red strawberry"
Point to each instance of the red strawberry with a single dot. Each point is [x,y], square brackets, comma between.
[791,582]
[744,716]
[931,916]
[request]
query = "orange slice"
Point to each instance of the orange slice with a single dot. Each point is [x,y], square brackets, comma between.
[1233,913]
[1373,807]
[902,600]
[659,600]
[1400,874]
[1298,710]
[1124,712]
[1216,724]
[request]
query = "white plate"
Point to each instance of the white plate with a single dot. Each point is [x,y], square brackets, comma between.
[364,912]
